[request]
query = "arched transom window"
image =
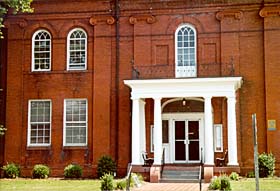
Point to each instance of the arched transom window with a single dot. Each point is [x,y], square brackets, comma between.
[77,49]
[185,43]
[41,51]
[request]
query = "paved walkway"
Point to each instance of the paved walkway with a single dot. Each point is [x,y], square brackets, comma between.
[170,187]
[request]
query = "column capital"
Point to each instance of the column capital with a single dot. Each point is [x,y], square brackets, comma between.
[231,98]
[157,98]
[207,97]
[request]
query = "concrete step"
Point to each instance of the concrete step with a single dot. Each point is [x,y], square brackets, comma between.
[174,172]
[178,174]
[163,180]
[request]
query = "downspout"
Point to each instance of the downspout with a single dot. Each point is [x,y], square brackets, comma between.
[117,28]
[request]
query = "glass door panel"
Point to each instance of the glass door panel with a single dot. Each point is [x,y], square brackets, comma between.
[180,140]
[193,140]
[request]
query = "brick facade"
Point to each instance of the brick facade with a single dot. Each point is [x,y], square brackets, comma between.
[234,38]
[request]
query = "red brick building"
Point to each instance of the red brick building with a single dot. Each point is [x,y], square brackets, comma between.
[89,78]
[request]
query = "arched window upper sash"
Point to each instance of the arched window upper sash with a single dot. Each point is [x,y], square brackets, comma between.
[185,52]
[41,51]
[77,49]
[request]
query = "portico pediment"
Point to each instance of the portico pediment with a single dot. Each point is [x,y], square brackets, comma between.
[190,87]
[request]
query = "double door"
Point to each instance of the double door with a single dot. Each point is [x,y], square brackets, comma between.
[187,144]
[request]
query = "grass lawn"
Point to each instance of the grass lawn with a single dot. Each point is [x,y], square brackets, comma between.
[48,184]
[249,184]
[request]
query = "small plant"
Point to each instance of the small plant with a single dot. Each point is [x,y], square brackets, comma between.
[121,184]
[139,176]
[106,165]
[225,183]
[251,174]
[73,171]
[40,171]
[266,165]
[107,182]
[220,183]
[11,170]
[234,176]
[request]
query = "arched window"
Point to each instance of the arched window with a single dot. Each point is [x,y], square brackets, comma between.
[77,49]
[185,53]
[41,51]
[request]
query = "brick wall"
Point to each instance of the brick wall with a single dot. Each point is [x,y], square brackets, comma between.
[232,40]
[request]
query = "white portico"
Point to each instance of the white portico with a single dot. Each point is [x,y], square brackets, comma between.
[205,88]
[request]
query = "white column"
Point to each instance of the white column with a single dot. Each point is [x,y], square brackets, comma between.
[142,129]
[136,153]
[208,130]
[157,131]
[232,138]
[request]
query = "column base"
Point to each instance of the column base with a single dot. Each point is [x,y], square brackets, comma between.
[208,173]
[233,164]
[155,173]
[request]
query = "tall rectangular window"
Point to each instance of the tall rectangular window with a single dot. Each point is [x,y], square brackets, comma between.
[39,127]
[218,135]
[41,51]
[165,134]
[75,122]
[77,49]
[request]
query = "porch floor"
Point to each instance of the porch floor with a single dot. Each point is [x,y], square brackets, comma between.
[171,186]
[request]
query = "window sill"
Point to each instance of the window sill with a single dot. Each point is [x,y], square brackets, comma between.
[75,148]
[30,148]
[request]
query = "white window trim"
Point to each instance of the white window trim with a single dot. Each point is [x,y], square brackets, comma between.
[33,42]
[64,124]
[176,48]
[215,137]
[68,49]
[29,144]
[152,138]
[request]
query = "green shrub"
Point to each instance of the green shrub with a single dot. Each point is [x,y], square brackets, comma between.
[215,184]
[107,182]
[121,184]
[220,183]
[11,170]
[266,165]
[225,183]
[251,174]
[40,171]
[73,171]
[106,165]
[234,176]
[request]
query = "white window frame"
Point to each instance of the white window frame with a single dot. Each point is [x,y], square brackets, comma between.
[185,71]
[152,139]
[29,144]
[64,123]
[68,50]
[217,138]
[33,51]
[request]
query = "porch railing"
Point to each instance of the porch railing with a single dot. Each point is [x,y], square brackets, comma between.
[128,176]
[201,169]
[162,161]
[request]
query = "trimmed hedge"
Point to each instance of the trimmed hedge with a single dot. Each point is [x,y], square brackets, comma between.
[73,171]
[106,165]
[40,171]
[11,170]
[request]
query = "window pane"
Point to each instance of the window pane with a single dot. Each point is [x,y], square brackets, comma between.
[42,50]
[186,40]
[39,122]
[77,49]
[76,121]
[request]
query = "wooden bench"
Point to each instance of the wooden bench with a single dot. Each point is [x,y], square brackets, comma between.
[222,161]
[147,161]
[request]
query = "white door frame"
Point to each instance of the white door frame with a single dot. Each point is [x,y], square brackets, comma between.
[172,117]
